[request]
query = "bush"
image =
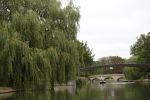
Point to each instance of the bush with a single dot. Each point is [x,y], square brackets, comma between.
[133,73]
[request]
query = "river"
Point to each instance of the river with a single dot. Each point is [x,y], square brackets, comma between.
[114,91]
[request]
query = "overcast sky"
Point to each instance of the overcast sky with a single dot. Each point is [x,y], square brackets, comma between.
[110,27]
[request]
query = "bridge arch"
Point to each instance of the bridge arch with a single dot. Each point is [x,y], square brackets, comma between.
[120,78]
[115,77]
[95,79]
[109,77]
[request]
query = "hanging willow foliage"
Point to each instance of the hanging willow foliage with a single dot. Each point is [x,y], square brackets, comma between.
[38,44]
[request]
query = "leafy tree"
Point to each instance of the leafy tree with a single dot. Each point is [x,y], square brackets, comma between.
[112,60]
[141,48]
[85,56]
[141,54]
[133,73]
[132,59]
[38,43]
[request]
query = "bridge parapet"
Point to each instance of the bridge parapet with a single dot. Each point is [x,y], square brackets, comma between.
[140,65]
[116,77]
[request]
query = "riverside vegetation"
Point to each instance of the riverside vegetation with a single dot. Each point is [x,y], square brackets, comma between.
[38,44]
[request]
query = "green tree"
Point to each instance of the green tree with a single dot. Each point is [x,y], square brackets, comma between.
[141,54]
[133,73]
[85,56]
[112,60]
[38,43]
[141,48]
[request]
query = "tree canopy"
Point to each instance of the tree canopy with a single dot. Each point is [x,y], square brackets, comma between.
[141,48]
[141,54]
[111,60]
[38,42]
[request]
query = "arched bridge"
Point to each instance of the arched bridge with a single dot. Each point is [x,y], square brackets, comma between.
[115,65]
[115,77]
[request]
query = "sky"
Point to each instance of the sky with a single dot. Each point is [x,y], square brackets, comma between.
[110,27]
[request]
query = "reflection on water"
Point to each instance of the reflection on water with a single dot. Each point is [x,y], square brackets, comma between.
[70,89]
[7,95]
[89,92]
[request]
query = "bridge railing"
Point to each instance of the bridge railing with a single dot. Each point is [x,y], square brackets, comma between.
[140,65]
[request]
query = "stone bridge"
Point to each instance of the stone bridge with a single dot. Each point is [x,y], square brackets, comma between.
[115,77]
[94,67]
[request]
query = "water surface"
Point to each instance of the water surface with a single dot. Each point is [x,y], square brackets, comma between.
[132,91]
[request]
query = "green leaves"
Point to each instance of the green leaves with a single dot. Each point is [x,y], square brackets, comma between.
[142,48]
[141,54]
[28,26]
[38,44]
[133,73]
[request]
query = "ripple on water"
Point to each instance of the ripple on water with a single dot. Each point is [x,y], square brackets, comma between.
[121,83]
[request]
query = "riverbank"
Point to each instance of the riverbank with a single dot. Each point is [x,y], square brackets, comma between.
[57,87]
[145,80]
[6,90]
[71,85]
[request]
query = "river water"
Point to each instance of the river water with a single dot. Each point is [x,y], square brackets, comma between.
[114,91]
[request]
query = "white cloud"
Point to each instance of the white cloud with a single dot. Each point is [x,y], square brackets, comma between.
[111,26]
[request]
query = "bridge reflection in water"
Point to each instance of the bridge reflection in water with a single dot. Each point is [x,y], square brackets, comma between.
[112,91]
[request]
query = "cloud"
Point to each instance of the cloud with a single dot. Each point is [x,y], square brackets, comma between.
[111,26]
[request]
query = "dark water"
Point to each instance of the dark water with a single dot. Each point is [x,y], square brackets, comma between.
[89,92]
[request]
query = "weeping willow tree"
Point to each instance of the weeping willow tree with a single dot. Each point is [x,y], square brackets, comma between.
[38,42]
